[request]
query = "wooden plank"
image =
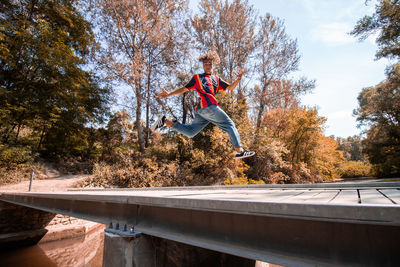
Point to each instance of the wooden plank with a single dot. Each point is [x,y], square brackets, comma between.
[266,196]
[279,196]
[262,196]
[323,197]
[309,194]
[346,197]
[393,194]
[373,196]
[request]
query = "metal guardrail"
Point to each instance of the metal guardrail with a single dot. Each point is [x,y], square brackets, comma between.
[340,185]
[285,233]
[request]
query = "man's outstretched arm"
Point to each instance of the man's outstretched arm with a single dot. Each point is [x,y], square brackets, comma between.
[164,93]
[233,85]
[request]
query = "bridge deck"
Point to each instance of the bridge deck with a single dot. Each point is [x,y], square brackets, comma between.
[355,224]
[332,196]
[366,203]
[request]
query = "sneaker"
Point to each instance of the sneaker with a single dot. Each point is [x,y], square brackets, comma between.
[244,154]
[159,123]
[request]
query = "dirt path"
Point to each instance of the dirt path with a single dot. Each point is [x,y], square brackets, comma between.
[57,183]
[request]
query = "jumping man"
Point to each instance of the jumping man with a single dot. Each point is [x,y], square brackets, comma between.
[207,85]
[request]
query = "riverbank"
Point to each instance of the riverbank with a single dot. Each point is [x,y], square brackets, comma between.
[65,227]
[60,227]
[76,245]
[64,241]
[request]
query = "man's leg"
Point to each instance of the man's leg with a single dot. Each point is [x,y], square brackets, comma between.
[190,130]
[222,120]
[218,117]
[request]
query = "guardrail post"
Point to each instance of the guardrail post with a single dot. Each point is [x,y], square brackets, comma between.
[30,183]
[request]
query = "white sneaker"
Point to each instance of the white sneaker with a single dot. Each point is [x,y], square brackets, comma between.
[159,123]
[244,154]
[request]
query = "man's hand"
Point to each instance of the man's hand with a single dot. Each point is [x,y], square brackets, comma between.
[165,94]
[162,94]
[239,73]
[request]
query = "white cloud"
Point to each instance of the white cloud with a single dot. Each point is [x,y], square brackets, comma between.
[333,34]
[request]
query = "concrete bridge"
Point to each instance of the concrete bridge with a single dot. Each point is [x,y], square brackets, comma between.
[290,225]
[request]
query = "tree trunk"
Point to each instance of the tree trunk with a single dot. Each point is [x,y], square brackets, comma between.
[138,118]
[184,109]
[18,130]
[41,138]
[147,130]
[259,116]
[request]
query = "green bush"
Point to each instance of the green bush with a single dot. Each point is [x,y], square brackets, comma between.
[12,157]
[351,169]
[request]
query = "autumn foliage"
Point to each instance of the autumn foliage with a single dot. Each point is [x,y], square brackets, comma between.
[86,91]
[379,109]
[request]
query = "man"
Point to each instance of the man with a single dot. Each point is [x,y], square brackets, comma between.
[207,85]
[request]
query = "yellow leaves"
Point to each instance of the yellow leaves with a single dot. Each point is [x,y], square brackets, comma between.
[293,125]
[326,158]
[306,149]
[240,177]
[355,169]
[237,181]
[251,181]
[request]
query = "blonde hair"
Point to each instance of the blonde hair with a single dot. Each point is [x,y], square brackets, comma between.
[212,55]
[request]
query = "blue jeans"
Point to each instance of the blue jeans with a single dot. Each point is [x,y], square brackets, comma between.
[203,117]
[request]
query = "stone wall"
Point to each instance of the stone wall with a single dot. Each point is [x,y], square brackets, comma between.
[23,226]
[16,218]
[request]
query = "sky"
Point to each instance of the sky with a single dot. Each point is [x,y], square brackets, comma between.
[340,64]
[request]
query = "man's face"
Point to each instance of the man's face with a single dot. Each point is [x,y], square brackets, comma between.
[208,66]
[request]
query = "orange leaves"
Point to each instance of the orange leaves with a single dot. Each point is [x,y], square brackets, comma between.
[300,131]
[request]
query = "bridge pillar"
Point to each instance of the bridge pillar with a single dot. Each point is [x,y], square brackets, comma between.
[127,251]
[142,250]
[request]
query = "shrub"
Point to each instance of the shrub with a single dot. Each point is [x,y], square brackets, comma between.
[73,165]
[12,157]
[11,176]
[145,172]
[351,169]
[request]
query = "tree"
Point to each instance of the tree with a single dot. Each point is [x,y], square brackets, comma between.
[44,46]
[277,57]
[379,105]
[298,149]
[326,158]
[351,147]
[379,108]
[293,149]
[301,135]
[385,21]
[180,73]
[134,36]
[227,28]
